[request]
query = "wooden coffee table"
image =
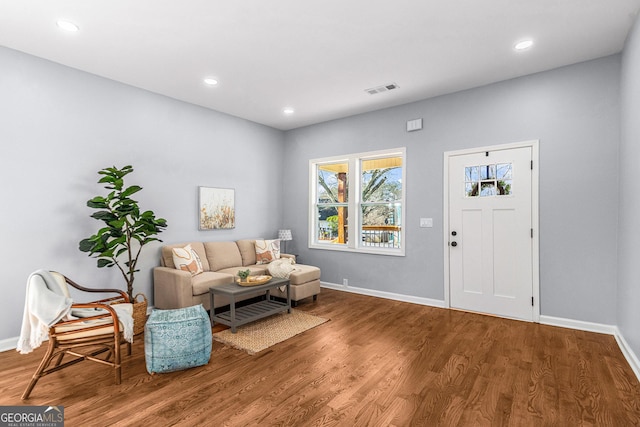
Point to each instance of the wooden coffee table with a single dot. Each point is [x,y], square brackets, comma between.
[237,316]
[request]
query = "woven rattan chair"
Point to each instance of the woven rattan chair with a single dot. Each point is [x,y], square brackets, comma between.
[96,331]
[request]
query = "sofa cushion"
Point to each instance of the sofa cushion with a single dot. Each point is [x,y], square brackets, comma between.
[267,251]
[247,251]
[222,255]
[303,274]
[187,259]
[198,247]
[202,282]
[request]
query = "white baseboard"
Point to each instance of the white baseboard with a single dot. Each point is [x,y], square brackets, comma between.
[628,353]
[626,350]
[383,294]
[578,325]
[8,344]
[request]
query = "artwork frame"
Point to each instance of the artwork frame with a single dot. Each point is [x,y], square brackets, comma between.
[216,208]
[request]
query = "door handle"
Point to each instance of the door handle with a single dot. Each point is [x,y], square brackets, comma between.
[454,244]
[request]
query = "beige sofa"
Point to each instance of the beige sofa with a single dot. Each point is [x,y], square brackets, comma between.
[221,261]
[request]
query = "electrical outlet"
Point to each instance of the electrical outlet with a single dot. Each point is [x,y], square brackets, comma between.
[345,282]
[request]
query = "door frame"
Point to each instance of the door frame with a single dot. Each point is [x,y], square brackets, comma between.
[535,220]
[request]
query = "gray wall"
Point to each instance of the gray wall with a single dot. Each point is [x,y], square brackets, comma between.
[573,111]
[629,221]
[59,126]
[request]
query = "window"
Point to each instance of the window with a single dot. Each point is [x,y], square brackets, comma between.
[358,202]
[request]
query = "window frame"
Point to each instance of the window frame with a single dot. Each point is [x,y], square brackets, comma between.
[354,203]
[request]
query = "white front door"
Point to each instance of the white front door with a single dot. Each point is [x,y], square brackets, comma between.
[491,232]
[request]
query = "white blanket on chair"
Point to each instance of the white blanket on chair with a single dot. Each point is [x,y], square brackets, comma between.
[43,307]
[125,315]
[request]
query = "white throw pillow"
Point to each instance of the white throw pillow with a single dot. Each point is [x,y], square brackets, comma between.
[281,268]
[187,259]
[267,251]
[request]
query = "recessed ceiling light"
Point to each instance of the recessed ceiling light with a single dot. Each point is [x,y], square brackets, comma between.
[523,45]
[288,111]
[210,81]
[67,25]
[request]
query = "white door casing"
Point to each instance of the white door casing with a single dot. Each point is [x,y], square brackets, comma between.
[491,263]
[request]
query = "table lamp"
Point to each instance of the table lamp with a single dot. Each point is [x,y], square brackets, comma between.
[284,236]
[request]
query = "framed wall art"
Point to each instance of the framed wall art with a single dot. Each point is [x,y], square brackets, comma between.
[217,208]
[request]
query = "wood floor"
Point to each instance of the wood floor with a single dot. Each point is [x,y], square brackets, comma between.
[376,363]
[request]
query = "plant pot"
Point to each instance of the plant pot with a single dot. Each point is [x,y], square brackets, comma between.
[139,314]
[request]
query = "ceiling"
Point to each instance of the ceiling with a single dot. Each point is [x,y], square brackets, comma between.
[316,57]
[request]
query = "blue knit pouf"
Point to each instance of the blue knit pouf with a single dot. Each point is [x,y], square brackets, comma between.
[177,339]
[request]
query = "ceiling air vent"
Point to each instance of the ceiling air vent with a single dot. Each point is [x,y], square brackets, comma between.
[383,88]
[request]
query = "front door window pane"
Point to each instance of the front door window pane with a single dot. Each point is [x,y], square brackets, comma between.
[488,180]
[504,170]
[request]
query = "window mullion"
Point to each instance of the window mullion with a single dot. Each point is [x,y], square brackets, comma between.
[354,194]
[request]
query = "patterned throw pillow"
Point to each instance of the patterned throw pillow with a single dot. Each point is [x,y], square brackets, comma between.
[267,251]
[187,259]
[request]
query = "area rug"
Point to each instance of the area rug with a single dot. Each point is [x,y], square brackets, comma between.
[259,335]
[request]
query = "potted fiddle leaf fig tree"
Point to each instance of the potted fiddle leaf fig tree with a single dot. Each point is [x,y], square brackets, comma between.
[125,231]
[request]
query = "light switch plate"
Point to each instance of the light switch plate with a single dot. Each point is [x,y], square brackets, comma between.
[413,125]
[426,222]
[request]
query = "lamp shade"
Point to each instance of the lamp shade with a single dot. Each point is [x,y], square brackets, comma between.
[285,235]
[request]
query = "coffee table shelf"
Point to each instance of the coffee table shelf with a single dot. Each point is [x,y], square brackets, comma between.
[237,316]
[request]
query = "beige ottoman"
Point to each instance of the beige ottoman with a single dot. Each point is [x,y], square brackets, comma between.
[305,283]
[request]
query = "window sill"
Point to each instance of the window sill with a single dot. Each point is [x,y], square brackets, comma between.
[359,250]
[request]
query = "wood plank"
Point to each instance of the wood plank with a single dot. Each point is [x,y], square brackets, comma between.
[377,362]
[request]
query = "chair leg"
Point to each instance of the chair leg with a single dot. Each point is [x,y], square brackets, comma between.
[116,360]
[59,360]
[315,297]
[46,359]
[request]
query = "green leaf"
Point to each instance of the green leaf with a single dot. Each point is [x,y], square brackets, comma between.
[98,202]
[107,178]
[115,242]
[125,209]
[86,245]
[104,216]
[131,190]
[102,262]
[121,251]
[118,223]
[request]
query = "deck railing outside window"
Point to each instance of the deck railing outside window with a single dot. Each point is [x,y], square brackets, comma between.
[381,236]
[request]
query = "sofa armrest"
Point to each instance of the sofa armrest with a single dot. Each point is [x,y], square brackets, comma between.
[288,256]
[172,288]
